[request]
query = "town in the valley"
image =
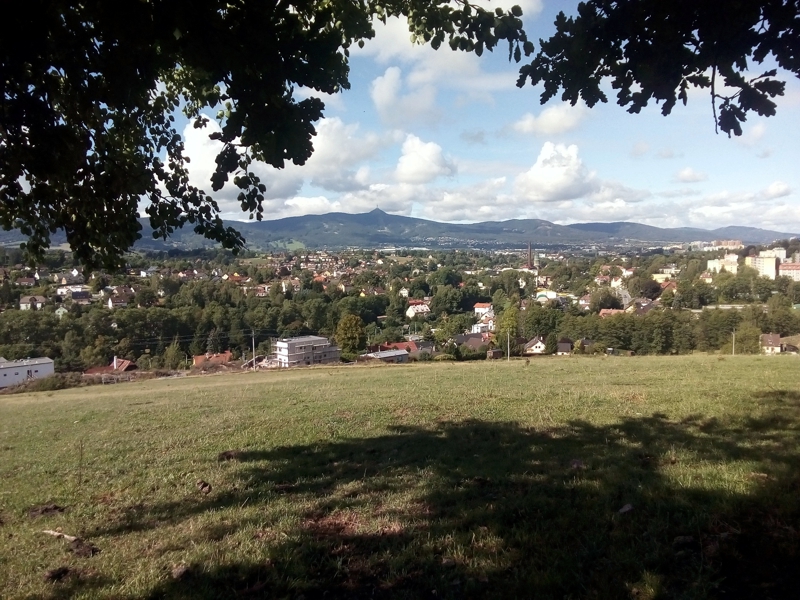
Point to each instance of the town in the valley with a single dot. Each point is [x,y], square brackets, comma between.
[208,310]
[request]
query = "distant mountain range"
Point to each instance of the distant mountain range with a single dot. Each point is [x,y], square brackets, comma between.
[379,229]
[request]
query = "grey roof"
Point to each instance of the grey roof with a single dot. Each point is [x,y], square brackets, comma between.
[8,364]
[387,353]
[305,338]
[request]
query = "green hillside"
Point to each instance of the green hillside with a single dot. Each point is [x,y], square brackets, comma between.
[569,477]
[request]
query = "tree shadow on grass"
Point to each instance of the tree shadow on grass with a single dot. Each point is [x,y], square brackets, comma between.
[487,509]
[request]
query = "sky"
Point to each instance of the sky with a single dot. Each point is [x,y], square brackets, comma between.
[448,136]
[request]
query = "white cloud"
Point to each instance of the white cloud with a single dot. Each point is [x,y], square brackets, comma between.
[689,175]
[337,165]
[752,135]
[612,191]
[777,189]
[553,120]
[482,201]
[396,108]
[422,162]
[558,174]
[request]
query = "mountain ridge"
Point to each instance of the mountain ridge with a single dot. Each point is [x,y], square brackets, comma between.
[378,228]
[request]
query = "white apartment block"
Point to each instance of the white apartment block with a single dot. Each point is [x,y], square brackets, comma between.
[13,372]
[767,266]
[779,253]
[729,262]
[305,350]
[790,270]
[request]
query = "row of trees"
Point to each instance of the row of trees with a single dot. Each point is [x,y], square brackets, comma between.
[659,331]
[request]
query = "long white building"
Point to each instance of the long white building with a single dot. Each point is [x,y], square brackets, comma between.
[305,350]
[13,372]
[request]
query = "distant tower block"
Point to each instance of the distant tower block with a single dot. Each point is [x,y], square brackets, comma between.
[536,262]
[530,263]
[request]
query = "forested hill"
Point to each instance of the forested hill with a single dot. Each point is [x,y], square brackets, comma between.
[378,228]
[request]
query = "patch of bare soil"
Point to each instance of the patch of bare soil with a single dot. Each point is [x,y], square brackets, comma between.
[230,455]
[59,574]
[83,548]
[45,510]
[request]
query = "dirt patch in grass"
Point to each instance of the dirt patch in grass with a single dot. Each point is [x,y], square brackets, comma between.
[45,510]
[83,549]
[59,574]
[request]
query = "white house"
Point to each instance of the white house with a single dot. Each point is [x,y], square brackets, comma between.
[535,346]
[485,325]
[32,302]
[13,372]
[482,309]
[305,350]
[418,310]
[404,292]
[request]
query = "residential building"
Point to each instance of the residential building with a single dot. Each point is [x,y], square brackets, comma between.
[119,301]
[389,356]
[13,372]
[418,310]
[305,350]
[729,262]
[483,308]
[767,266]
[485,325]
[790,270]
[535,346]
[771,343]
[779,253]
[564,347]
[32,302]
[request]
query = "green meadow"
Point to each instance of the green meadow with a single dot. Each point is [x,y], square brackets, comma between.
[569,477]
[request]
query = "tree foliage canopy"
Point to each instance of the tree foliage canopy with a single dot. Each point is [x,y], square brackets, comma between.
[656,50]
[90,91]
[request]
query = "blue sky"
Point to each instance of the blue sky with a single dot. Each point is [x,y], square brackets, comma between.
[448,136]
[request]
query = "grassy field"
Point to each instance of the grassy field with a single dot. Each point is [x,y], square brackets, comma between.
[674,477]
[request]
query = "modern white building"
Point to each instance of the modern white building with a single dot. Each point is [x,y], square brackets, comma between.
[790,270]
[13,372]
[305,350]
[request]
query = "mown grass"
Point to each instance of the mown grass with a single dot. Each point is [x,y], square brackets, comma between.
[456,480]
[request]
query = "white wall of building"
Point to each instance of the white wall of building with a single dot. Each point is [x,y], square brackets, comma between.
[13,372]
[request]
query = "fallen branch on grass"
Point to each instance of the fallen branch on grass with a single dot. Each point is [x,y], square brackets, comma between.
[58,534]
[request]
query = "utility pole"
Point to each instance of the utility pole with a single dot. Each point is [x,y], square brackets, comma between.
[508,348]
[253,333]
[733,347]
